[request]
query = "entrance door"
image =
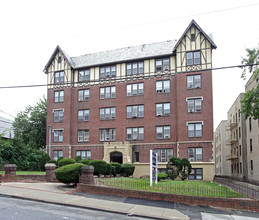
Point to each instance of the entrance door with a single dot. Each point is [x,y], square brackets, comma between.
[116,157]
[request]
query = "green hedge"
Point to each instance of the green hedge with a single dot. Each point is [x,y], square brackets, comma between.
[108,169]
[161,176]
[85,161]
[118,167]
[127,169]
[113,171]
[100,167]
[66,161]
[69,173]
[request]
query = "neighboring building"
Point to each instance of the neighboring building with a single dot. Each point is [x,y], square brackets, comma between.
[222,165]
[118,105]
[6,129]
[237,140]
[252,139]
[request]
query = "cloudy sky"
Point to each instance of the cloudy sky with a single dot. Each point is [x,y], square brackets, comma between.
[30,31]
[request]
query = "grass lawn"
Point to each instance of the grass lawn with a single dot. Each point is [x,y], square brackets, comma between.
[27,172]
[187,187]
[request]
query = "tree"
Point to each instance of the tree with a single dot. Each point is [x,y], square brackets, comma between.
[178,167]
[250,102]
[30,125]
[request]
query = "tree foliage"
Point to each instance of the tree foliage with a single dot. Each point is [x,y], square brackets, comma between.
[30,125]
[177,167]
[250,102]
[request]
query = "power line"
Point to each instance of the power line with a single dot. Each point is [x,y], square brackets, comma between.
[7,113]
[118,79]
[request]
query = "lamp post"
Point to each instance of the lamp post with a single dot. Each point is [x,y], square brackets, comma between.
[50,141]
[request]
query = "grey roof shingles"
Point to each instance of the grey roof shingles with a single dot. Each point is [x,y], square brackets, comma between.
[125,54]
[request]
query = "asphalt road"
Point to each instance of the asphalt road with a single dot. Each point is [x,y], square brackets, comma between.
[19,209]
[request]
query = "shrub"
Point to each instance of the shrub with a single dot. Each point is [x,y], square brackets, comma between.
[85,161]
[100,167]
[66,161]
[59,159]
[113,171]
[161,176]
[52,161]
[78,158]
[118,167]
[127,169]
[108,169]
[69,173]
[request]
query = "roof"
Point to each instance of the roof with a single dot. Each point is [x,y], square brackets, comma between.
[125,54]
[164,48]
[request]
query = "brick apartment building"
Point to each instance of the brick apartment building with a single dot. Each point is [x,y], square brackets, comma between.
[117,105]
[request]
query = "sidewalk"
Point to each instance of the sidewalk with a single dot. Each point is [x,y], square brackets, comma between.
[58,193]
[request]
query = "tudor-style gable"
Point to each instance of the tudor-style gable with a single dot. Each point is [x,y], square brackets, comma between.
[59,68]
[194,50]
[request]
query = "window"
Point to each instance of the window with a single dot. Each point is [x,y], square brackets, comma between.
[162,132]
[83,95]
[83,75]
[135,133]
[193,58]
[135,111]
[240,150]
[108,134]
[252,165]
[57,154]
[58,115]
[107,113]
[193,81]
[59,96]
[83,136]
[162,64]
[58,135]
[135,89]
[163,109]
[195,129]
[107,92]
[107,72]
[83,115]
[135,68]
[59,77]
[163,86]
[85,154]
[251,145]
[196,174]
[250,124]
[136,156]
[195,154]
[194,104]
[164,155]
[192,37]
[240,167]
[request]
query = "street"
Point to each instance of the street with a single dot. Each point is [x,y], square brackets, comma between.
[19,209]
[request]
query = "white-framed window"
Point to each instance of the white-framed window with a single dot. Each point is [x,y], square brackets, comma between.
[83,115]
[163,86]
[107,72]
[108,134]
[135,89]
[193,81]
[83,135]
[195,129]
[164,155]
[135,133]
[162,64]
[194,104]
[59,96]
[83,75]
[59,77]
[58,115]
[135,68]
[163,109]
[85,154]
[193,58]
[163,132]
[83,95]
[135,111]
[107,113]
[195,154]
[57,154]
[58,135]
[108,92]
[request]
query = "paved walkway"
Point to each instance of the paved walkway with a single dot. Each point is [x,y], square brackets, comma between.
[59,193]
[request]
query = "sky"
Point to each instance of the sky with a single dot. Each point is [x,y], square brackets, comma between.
[31,30]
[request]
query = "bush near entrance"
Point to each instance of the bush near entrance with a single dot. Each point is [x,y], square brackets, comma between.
[118,167]
[127,169]
[66,161]
[69,173]
[100,167]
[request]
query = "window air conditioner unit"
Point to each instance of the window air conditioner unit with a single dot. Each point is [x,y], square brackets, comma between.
[159,114]
[191,159]
[198,110]
[191,110]
[158,91]
[134,115]
[166,136]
